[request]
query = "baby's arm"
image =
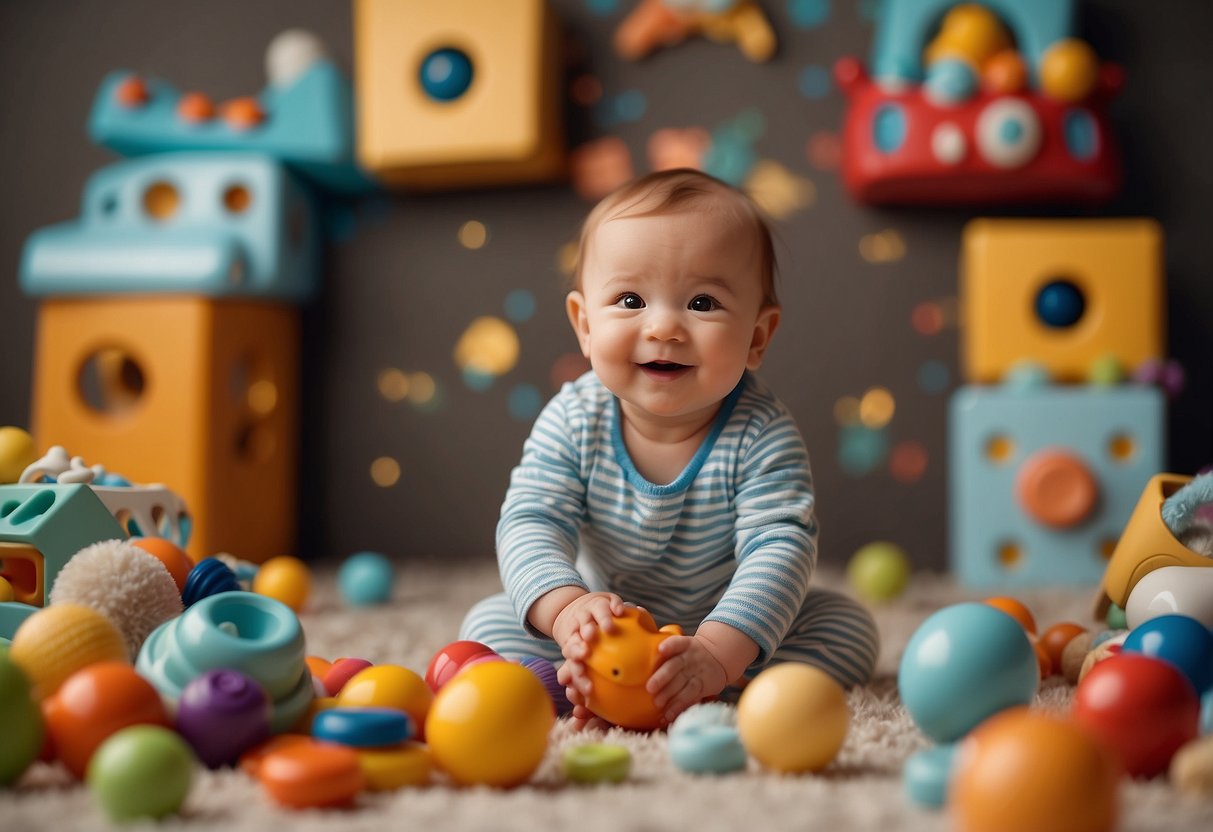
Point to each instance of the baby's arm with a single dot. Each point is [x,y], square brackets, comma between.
[699,666]
[572,617]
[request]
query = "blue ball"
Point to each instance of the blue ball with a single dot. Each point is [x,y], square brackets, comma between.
[365,579]
[446,74]
[1183,642]
[1060,304]
[964,664]
[926,774]
[950,81]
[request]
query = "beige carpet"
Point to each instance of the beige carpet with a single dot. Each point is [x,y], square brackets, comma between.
[861,790]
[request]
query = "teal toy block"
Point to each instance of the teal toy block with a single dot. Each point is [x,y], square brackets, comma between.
[234,224]
[41,528]
[1043,479]
[907,25]
[306,123]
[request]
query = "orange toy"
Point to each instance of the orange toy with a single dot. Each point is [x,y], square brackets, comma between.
[170,554]
[620,664]
[1016,609]
[94,703]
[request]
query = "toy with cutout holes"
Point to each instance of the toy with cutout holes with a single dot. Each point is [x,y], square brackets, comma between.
[619,665]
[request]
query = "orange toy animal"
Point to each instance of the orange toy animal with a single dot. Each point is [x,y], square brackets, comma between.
[620,663]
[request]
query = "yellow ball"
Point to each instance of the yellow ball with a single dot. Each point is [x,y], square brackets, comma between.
[1069,70]
[284,579]
[970,33]
[6,590]
[55,642]
[793,718]
[389,686]
[489,725]
[17,452]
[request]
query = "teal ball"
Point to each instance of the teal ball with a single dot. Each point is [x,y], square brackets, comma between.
[365,579]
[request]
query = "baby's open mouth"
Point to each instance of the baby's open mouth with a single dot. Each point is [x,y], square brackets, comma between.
[664,367]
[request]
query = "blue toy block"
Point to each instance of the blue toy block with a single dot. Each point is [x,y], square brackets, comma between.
[308,125]
[1043,480]
[41,528]
[232,224]
[906,25]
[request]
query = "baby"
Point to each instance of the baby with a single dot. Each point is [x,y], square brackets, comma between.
[669,476]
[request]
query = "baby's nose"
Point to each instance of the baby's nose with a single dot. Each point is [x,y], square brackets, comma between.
[665,325]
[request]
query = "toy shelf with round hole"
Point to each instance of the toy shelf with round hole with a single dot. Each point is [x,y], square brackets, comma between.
[1048,448]
[967,103]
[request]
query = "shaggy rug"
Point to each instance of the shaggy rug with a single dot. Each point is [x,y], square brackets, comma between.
[861,789]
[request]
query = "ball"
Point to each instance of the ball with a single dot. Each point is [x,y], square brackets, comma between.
[704,740]
[210,576]
[365,579]
[793,718]
[879,571]
[340,672]
[450,659]
[1004,73]
[1016,609]
[964,664]
[221,714]
[489,725]
[17,452]
[1183,642]
[95,703]
[1143,708]
[1055,639]
[445,74]
[55,642]
[20,721]
[284,579]
[1069,70]
[1029,770]
[389,686]
[545,671]
[174,558]
[141,772]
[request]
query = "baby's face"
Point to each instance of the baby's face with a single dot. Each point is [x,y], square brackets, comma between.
[670,311]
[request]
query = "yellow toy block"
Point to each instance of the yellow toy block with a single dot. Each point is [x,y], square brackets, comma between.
[197,393]
[1062,294]
[459,92]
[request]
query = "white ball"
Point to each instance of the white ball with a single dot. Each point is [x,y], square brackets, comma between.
[1172,590]
[290,54]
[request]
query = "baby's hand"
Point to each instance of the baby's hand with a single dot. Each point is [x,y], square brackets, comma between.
[574,630]
[689,672]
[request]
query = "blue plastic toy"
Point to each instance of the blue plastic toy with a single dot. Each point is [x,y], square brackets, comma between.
[705,740]
[363,727]
[217,224]
[256,635]
[210,576]
[1044,478]
[1179,640]
[964,664]
[925,775]
[365,579]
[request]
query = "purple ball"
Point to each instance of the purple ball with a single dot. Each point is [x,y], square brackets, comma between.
[546,671]
[222,714]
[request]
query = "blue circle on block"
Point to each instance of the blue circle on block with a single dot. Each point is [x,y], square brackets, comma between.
[446,74]
[889,128]
[365,579]
[363,727]
[964,664]
[1179,640]
[1060,304]
[1081,134]
[1010,131]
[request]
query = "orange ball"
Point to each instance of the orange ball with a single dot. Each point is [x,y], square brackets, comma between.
[174,558]
[1056,637]
[94,703]
[1069,70]
[284,579]
[1024,769]
[1016,610]
[1004,73]
[1043,661]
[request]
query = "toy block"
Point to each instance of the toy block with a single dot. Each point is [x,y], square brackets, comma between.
[460,93]
[216,224]
[1062,294]
[968,103]
[196,393]
[305,120]
[1042,480]
[41,528]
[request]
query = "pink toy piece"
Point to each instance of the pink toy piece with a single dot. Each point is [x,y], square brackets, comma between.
[341,672]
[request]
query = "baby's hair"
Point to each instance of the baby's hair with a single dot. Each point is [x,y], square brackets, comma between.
[671,191]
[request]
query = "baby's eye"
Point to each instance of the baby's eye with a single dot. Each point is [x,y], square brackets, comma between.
[631,300]
[703,303]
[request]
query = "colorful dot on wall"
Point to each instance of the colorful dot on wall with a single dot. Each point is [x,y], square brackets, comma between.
[814,82]
[809,14]
[908,462]
[674,147]
[520,305]
[524,402]
[393,384]
[473,234]
[489,345]
[846,411]
[586,90]
[568,367]
[933,376]
[477,380]
[630,105]
[824,150]
[927,318]
[385,472]
[861,450]
[876,408]
[422,389]
[778,191]
[566,258]
[886,246]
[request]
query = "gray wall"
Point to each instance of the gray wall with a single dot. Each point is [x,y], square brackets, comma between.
[401,290]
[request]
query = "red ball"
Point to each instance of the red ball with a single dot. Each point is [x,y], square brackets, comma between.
[340,672]
[1143,708]
[450,660]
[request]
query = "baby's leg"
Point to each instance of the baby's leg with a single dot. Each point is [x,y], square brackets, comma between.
[494,622]
[833,633]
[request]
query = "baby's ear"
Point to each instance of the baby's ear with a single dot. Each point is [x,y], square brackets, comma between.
[764,329]
[574,305]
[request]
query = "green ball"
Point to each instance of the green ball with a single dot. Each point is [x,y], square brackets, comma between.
[1115,618]
[21,727]
[141,772]
[879,571]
